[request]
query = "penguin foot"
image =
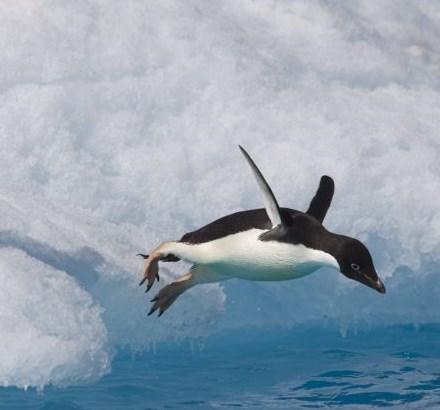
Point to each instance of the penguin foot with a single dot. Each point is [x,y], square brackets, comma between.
[151,270]
[165,298]
[168,294]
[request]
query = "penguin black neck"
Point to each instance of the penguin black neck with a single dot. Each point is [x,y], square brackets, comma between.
[333,244]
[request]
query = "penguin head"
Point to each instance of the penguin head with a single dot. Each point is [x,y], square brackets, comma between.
[356,263]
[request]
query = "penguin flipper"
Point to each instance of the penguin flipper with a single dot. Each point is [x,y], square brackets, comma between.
[321,201]
[269,200]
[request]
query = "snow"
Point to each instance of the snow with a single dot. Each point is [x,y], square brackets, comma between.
[51,328]
[119,124]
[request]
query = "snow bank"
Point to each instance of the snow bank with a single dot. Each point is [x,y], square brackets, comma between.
[52,331]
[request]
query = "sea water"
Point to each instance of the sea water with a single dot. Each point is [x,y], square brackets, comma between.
[312,368]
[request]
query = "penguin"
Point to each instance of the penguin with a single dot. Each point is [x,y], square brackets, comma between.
[267,244]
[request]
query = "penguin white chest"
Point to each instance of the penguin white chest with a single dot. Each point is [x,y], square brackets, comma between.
[244,255]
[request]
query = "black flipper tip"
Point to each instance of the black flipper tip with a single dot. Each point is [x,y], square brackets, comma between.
[328,180]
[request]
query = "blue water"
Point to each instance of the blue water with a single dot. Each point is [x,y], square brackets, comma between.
[296,369]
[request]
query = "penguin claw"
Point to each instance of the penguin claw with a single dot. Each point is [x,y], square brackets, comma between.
[143,255]
[152,310]
[151,270]
[166,296]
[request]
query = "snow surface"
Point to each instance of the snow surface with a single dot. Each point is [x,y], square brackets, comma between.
[51,329]
[119,124]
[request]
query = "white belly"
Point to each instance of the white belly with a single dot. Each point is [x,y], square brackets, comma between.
[243,255]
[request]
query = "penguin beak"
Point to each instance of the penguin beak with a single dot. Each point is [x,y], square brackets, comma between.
[375,284]
[372,280]
[379,286]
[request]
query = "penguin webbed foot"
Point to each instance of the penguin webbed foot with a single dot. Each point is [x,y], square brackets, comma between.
[166,297]
[151,270]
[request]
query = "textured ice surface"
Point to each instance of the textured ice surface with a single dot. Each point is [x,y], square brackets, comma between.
[119,125]
[51,328]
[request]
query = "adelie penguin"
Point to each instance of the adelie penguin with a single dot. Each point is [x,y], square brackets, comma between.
[270,244]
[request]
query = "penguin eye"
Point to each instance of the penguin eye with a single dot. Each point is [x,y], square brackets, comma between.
[355,266]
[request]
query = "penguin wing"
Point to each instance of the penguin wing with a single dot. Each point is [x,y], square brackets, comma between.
[269,200]
[321,201]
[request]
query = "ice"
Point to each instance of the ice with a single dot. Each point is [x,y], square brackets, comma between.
[119,124]
[52,331]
